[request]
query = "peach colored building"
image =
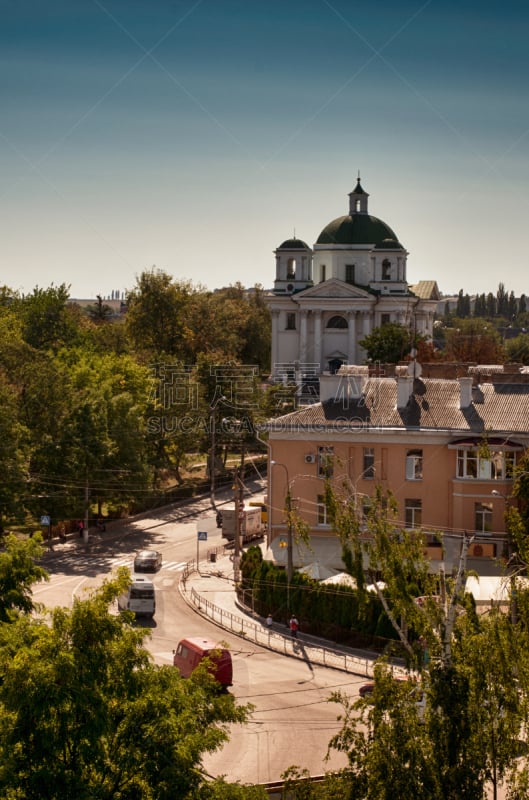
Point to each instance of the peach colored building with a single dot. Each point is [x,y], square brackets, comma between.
[445,447]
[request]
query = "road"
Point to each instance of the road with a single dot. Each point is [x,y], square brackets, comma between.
[292,721]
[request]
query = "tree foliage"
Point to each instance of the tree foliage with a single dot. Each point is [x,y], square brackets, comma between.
[388,344]
[85,713]
[474,340]
[455,726]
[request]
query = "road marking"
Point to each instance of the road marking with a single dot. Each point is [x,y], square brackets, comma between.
[171,566]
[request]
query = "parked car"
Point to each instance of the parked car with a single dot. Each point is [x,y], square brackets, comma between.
[148,561]
[367,689]
[190,652]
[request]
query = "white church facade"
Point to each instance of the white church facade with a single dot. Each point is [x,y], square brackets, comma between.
[326,299]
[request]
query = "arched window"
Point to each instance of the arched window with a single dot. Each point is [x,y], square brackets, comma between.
[337,322]
[291,269]
[386,270]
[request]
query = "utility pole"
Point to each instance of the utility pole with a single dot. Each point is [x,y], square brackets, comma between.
[290,538]
[212,459]
[86,512]
[238,489]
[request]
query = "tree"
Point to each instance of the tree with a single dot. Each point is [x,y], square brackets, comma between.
[14,456]
[99,312]
[470,679]
[48,320]
[388,750]
[157,315]
[84,712]
[463,305]
[474,340]
[502,301]
[18,572]
[517,349]
[105,437]
[388,344]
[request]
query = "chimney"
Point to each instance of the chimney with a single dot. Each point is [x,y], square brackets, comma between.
[465,392]
[404,390]
[328,387]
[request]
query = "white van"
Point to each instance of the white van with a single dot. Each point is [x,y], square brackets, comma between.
[139,598]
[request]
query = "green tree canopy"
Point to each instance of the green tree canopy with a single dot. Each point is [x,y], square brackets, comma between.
[388,344]
[85,713]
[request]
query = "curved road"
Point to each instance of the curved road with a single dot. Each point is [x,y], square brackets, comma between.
[292,720]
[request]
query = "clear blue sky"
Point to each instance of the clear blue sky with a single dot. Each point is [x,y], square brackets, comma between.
[196,135]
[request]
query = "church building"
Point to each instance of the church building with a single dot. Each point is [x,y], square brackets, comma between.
[326,299]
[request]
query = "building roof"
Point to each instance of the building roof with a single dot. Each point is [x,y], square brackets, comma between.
[293,244]
[359,229]
[426,290]
[433,405]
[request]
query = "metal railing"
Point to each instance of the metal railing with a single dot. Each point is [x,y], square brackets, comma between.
[302,647]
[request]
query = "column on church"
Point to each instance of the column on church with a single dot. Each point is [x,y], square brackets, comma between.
[367,322]
[318,342]
[303,337]
[275,340]
[351,337]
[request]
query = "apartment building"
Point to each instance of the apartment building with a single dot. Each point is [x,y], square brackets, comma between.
[445,446]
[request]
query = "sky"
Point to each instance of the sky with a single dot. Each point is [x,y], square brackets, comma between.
[195,136]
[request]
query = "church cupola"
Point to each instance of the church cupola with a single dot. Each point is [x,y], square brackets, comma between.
[293,266]
[358,199]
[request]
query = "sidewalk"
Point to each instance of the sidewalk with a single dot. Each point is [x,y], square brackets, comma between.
[211,592]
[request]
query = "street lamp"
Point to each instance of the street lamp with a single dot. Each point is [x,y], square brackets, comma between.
[288,506]
[212,409]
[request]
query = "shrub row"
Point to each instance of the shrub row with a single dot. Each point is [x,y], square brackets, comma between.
[338,613]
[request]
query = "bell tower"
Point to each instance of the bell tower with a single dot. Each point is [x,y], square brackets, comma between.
[293,267]
[358,199]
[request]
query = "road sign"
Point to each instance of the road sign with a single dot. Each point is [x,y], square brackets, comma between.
[202,536]
[45,519]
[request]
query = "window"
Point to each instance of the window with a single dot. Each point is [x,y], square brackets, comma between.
[323,270]
[291,269]
[337,322]
[483,517]
[413,513]
[366,506]
[369,463]
[291,321]
[386,270]
[414,465]
[385,319]
[493,465]
[325,466]
[322,511]
[350,273]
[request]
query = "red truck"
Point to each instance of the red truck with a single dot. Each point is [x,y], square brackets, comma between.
[192,651]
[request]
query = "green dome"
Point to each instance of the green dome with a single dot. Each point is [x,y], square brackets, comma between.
[359,229]
[293,244]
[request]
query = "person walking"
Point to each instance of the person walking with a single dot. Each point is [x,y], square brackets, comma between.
[294,625]
[269,620]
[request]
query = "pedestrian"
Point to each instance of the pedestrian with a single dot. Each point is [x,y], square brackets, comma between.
[80,528]
[294,625]
[269,620]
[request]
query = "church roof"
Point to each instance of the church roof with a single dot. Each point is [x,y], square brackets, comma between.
[358,188]
[293,244]
[359,229]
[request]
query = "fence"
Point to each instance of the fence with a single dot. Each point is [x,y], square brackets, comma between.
[304,647]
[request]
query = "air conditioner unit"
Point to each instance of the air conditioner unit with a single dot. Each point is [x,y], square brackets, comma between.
[310,458]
